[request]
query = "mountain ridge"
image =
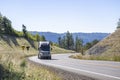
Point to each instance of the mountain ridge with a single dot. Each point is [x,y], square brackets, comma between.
[86,37]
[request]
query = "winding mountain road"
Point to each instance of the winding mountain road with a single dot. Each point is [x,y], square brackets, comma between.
[102,70]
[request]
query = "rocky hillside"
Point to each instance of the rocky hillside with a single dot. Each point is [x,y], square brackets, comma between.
[109,45]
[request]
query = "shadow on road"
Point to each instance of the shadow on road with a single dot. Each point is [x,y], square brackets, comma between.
[49,59]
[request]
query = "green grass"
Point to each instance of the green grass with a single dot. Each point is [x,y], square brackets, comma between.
[57,50]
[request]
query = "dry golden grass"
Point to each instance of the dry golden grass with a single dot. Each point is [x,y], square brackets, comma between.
[110,44]
[9,44]
[107,49]
[105,57]
[17,68]
[13,63]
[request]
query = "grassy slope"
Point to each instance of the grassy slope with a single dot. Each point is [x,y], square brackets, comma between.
[11,43]
[13,64]
[107,49]
[58,50]
[110,44]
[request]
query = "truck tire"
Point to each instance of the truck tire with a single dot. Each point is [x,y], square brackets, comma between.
[49,57]
[39,57]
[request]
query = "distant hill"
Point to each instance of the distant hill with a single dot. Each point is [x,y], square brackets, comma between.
[86,37]
[108,46]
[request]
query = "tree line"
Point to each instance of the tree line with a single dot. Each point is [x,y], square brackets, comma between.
[68,42]
[7,29]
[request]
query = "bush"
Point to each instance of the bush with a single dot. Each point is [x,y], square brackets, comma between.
[31,37]
[118,27]
[18,33]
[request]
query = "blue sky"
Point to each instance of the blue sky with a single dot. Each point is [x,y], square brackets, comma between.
[63,15]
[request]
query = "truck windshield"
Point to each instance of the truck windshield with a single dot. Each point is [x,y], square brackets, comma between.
[45,47]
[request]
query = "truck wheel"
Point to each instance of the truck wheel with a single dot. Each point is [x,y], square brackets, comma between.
[39,56]
[50,57]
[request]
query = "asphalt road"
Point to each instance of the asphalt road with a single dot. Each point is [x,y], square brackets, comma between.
[103,70]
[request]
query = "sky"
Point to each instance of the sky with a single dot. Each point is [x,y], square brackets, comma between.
[63,15]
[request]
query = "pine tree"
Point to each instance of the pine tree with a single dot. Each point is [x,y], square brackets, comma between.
[25,34]
[69,41]
[60,41]
[64,42]
[42,38]
[1,25]
[94,42]
[78,45]
[118,24]
[7,26]
[37,37]
[91,44]
[88,45]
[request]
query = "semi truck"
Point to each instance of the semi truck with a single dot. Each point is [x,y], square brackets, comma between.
[44,50]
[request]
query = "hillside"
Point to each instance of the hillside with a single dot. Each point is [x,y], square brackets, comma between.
[109,45]
[14,64]
[15,43]
[8,42]
[107,49]
[86,37]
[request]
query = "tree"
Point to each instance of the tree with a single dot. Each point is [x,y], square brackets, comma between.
[0,14]
[118,24]
[24,31]
[37,37]
[1,23]
[66,41]
[7,26]
[63,43]
[91,44]
[60,41]
[94,42]
[42,38]
[78,44]
[69,41]
[88,45]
